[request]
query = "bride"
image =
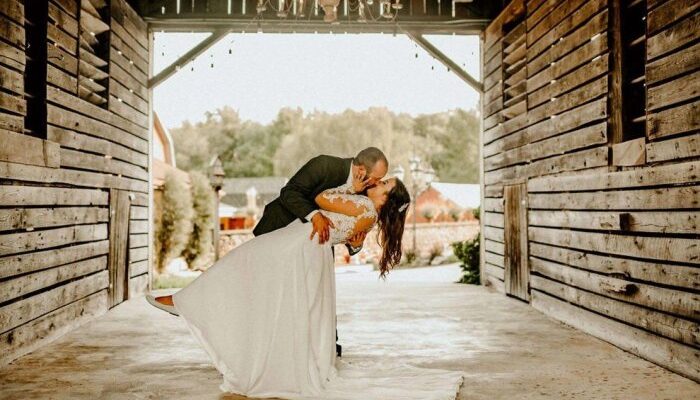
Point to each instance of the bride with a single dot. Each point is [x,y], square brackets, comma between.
[265,312]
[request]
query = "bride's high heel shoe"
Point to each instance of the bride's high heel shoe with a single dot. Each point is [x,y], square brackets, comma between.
[155,303]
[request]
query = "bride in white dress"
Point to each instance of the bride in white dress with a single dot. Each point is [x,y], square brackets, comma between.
[265,312]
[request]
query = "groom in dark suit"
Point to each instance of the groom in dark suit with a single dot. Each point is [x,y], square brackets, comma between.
[323,172]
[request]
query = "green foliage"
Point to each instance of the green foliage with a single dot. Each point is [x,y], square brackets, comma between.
[448,140]
[455,213]
[428,212]
[200,249]
[435,252]
[477,212]
[468,253]
[410,257]
[173,220]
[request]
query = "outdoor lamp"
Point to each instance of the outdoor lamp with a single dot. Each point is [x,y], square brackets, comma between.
[216,173]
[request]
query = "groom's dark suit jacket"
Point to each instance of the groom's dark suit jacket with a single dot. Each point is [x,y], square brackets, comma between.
[296,198]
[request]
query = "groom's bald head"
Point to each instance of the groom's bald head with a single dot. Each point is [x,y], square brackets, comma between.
[374,163]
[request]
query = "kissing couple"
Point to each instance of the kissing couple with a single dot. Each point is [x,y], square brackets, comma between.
[266,312]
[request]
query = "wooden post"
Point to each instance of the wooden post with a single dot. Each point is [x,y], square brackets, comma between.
[615,104]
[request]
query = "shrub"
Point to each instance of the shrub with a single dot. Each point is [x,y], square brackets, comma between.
[477,212]
[409,257]
[200,246]
[455,214]
[428,212]
[172,220]
[435,252]
[468,253]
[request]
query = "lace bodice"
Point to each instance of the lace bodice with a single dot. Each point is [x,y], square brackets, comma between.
[345,224]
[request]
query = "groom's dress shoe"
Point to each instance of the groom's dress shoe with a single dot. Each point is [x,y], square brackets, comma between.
[155,303]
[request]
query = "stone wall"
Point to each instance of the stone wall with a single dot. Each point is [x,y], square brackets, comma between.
[428,236]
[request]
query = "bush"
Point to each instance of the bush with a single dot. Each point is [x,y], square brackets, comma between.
[200,247]
[435,252]
[428,212]
[477,212]
[468,253]
[409,257]
[172,220]
[455,214]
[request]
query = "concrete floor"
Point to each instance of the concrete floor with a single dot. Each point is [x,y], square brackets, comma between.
[506,349]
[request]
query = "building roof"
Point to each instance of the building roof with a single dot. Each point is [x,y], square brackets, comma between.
[466,195]
[268,188]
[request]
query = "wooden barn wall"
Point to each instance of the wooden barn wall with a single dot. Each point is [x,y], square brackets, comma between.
[57,178]
[613,226]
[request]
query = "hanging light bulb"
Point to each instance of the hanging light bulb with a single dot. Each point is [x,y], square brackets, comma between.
[397,5]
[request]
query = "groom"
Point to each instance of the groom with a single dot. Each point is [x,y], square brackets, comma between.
[323,172]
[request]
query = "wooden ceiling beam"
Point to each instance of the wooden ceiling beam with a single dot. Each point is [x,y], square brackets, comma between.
[187,57]
[445,60]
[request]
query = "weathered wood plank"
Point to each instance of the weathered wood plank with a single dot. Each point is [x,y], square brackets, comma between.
[138,226]
[672,301]
[126,111]
[118,74]
[137,212]
[674,149]
[60,79]
[515,260]
[494,270]
[669,12]
[569,100]
[686,222]
[139,286]
[74,121]
[654,176]
[77,159]
[37,240]
[13,10]
[39,195]
[29,262]
[550,127]
[30,218]
[86,108]
[675,120]
[24,149]
[687,197]
[568,43]
[493,219]
[674,64]
[671,327]
[51,326]
[658,248]
[675,91]
[25,310]
[32,173]
[13,103]
[677,357]
[584,159]
[71,139]
[495,234]
[577,77]
[673,37]
[12,32]
[629,153]
[25,284]
[560,22]
[494,247]
[494,205]
[12,56]
[115,57]
[590,135]
[138,254]
[494,283]
[138,240]
[655,273]
[11,80]
[138,268]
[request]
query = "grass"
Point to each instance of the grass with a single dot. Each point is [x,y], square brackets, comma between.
[171,281]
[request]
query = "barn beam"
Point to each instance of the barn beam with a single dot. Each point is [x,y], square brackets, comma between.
[446,61]
[200,48]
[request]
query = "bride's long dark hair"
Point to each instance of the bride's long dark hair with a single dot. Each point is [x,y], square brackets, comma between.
[391,223]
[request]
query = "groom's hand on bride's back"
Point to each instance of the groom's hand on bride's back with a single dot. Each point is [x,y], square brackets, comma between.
[321,225]
[357,240]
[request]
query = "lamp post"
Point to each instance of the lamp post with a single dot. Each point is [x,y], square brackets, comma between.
[216,178]
[421,178]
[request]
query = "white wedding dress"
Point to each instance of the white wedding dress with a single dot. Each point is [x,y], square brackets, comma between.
[266,315]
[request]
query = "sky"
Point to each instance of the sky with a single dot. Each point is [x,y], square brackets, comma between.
[264,72]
